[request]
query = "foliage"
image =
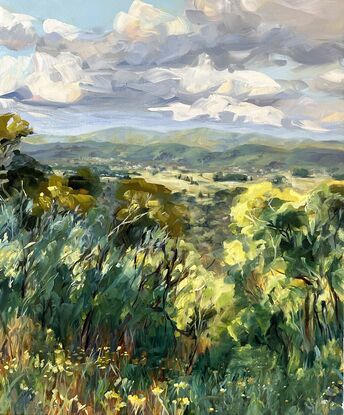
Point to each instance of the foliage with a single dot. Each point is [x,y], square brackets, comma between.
[12,128]
[150,201]
[230,177]
[78,305]
[288,270]
[301,172]
[108,306]
[279,180]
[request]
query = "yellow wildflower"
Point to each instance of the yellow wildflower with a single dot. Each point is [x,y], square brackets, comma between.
[111,395]
[136,401]
[184,401]
[120,405]
[157,391]
[180,385]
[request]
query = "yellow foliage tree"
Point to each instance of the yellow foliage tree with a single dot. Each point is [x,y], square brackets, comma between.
[57,190]
[140,196]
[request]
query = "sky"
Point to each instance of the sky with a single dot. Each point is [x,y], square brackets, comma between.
[274,66]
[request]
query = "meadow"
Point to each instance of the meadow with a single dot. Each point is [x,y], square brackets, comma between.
[193,273]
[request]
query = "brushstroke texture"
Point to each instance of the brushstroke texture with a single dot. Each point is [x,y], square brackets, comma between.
[243,63]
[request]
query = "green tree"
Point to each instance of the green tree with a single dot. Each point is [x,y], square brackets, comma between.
[288,270]
[301,172]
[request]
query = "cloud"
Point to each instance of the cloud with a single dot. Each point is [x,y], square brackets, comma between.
[62,30]
[16,30]
[44,77]
[144,21]
[56,79]
[222,108]
[331,81]
[310,32]
[317,19]
[239,62]
[13,73]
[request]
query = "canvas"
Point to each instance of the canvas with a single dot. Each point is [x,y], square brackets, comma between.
[171,207]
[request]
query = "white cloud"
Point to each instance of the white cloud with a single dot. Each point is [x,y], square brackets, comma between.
[331,81]
[16,30]
[223,108]
[64,30]
[13,73]
[56,79]
[48,78]
[204,78]
[144,21]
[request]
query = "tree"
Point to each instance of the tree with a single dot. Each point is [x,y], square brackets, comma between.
[301,172]
[288,269]
[12,129]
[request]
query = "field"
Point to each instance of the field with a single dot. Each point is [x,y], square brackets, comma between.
[183,273]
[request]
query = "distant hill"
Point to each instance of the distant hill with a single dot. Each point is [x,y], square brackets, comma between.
[191,148]
[206,138]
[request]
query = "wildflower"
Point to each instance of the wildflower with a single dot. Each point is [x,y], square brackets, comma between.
[241,384]
[222,390]
[119,348]
[180,385]
[23,386]
[211,410]
[136,401]
[184,401]
[111,395]
[120,405]
[157,391]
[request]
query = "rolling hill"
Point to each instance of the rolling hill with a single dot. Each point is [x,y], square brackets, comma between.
[198,148]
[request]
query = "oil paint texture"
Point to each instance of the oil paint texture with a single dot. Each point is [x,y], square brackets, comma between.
[171,207]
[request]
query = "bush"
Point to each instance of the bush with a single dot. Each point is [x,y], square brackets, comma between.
[230,177]
[301,172]
[279,180]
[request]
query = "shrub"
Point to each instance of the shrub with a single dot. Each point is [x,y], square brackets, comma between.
[301,172]
[230,177]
